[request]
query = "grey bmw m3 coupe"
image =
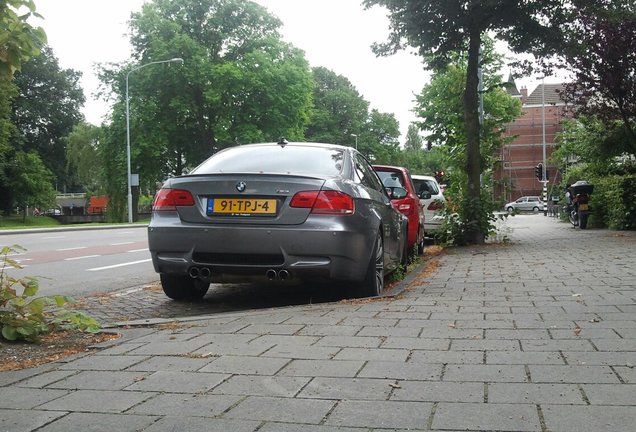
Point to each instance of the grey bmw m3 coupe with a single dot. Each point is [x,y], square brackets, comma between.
[276,212]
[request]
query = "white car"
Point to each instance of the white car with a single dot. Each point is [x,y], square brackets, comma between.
[525,203]
[432,201]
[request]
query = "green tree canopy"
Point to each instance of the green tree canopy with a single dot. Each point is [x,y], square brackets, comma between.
[45,111]
[442,29]
[602,56]
[338,109]
[83,159]
[239,83]
[30,182]
[414,140]
[19,40]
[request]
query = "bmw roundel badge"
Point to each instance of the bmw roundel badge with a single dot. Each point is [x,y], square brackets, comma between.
[240,186]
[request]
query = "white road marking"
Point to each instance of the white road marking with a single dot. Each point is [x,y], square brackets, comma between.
[81,257]
[70,249]
[119,265]
[138,250]
[122,243]
[52,237]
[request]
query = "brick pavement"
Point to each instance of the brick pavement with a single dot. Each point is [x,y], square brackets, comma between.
[537,334]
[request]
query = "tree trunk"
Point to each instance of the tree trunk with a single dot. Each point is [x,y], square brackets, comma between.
[473,233]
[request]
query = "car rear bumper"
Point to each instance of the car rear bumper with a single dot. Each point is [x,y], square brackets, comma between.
[319,251]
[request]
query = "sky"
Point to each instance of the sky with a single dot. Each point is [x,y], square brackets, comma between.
[336,34]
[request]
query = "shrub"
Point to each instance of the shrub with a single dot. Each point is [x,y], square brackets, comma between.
[24,316]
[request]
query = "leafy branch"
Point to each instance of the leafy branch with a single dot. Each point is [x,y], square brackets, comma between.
[25,316]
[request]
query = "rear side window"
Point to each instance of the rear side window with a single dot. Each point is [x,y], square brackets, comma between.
[303,160]
[391,179]
[426,186]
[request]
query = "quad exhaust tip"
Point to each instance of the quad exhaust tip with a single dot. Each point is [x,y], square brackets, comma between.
[272,274]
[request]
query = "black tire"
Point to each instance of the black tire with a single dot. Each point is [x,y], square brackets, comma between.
[583,220]
[183,288]
[536,209]
[406,253]
[510,209]
[420,244]
[373,283]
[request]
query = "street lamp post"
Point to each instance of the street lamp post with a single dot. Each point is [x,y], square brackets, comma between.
[176,59]
[356,137]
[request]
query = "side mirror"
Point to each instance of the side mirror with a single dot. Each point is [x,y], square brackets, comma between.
[425,195]
[398,193]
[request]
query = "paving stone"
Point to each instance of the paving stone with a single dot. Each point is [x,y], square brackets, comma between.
[381,414]
[200,424]
[486,417]
[610,394]
[178,382]
[350,341]
[26,398]
[446,357]
[485,373]
[26,420]
[401,370]
[572,374]
[481,345]
[272,329]
[302,352]
[323,368]
[627,374]
[535,393]
[524,357]
[557,345]
[244,365]
[286,427]
[103,363]
[593,418]
[438,391]
[603,358]
[196,405]
[171,363]
[372,354]
[45,379]
[99,380]
[416,343]
[410,332]
[96,422]
[281,340]
[258,385]
[517,334]
[348,388]
[290,410]
[97,401]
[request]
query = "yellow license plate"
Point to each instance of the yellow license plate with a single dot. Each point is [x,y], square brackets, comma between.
[241,206]
[583,207]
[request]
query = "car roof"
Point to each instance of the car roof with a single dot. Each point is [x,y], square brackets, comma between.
[390,168]
[422,177]
[294,144]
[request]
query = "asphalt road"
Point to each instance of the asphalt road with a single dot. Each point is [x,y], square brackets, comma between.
[83,262]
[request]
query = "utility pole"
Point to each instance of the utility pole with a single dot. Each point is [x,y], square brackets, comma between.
[544,180]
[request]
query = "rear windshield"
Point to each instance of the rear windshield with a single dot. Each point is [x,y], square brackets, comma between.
[301,160]
[425,185]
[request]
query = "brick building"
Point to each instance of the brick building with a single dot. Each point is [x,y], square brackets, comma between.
[521,156]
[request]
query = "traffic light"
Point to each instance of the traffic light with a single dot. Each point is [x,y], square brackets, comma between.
[538,172]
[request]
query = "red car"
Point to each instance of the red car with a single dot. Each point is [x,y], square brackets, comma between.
[410,205]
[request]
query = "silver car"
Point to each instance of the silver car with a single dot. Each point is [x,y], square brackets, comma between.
[276,211]
[525,203]
[432,201]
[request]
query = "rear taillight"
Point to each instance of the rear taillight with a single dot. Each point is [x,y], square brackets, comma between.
[170,199]
[324,202]
[405,208]
[436,205]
